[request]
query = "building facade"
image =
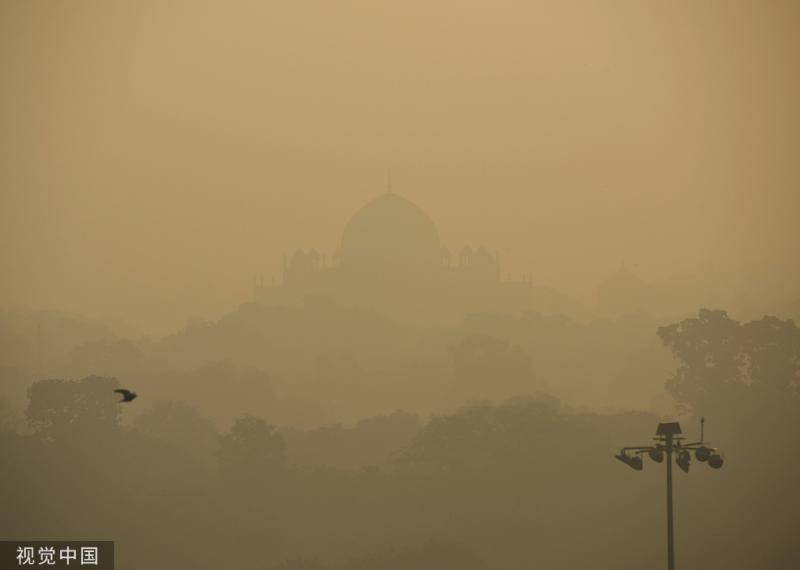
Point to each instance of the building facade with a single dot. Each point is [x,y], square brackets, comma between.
[391,260]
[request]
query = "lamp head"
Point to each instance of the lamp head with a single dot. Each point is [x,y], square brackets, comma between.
[683,460]
[634,462]
[702,453]
[715,461]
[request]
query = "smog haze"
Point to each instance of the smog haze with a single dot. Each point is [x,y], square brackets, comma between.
[159,155]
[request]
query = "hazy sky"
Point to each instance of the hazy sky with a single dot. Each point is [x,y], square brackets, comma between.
[155,155]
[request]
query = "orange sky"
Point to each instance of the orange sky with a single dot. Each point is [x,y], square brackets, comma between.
[155,155]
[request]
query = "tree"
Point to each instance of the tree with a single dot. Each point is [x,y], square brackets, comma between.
[728,365]
[485,436]
[487,367]
[62,408]
[181,426]
[252,450]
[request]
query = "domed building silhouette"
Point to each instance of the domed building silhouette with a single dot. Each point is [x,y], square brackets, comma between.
[390,231]
[391,260]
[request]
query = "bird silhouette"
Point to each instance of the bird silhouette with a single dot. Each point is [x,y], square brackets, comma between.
[127,395]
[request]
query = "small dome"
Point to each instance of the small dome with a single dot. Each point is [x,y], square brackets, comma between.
[390,229]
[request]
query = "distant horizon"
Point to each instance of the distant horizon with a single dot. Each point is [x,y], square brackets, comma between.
[746,281]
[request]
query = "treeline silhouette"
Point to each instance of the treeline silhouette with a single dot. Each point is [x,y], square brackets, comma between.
[512,477]
[324,363]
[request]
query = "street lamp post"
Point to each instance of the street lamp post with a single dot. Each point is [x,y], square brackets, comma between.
[669,442]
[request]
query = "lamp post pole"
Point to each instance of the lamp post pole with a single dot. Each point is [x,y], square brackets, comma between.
[668,442]
[670,534]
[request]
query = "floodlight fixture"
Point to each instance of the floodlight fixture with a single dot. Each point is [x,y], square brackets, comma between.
[702,453]
[683,460]
[632,461]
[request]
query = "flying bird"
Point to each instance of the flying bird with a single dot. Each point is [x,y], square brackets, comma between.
[127,395]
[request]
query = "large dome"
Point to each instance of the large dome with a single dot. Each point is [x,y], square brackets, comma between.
[390,230]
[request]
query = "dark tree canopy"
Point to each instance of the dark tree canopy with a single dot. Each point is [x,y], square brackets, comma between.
[483,364]
[252,449]
[59,408]
[726,363]
[180,425]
